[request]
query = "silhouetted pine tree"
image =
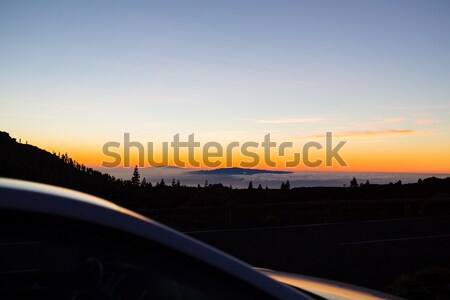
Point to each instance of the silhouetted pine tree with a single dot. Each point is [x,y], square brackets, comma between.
[136,178]
[287,185]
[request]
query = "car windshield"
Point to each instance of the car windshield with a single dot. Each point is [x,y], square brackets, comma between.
[68,259]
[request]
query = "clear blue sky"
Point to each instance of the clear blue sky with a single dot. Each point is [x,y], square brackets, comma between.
[84,72]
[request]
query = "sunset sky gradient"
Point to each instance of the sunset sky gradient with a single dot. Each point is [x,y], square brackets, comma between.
[77,74]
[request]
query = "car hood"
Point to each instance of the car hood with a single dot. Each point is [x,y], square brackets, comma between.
[328,289]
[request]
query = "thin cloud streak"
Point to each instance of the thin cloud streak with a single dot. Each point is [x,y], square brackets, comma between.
[393,120]
[292,120]
[368,133]
[426,121]
[437,106]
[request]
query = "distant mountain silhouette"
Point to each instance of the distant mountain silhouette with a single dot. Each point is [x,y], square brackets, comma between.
[167,167]
[238,171]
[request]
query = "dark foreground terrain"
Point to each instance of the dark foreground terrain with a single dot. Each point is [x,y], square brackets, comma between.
[393,237]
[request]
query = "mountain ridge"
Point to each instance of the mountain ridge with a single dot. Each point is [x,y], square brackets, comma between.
[238,171]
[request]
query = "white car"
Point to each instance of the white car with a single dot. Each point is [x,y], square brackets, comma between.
[62,244]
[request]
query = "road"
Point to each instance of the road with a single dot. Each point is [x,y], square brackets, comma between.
[371,253]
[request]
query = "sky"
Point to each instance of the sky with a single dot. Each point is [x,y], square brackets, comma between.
[75,75]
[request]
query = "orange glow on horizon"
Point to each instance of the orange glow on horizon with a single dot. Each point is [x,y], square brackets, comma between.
[359,158]
[408,154]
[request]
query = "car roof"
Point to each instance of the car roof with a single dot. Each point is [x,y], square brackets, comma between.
[46,199]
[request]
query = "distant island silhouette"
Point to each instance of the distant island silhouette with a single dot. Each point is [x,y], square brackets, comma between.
[167,167]
[238,171]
